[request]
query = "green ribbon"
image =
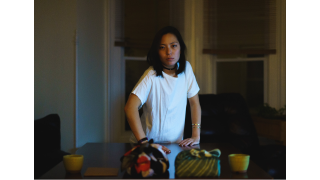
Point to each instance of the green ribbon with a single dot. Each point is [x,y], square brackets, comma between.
[214,152]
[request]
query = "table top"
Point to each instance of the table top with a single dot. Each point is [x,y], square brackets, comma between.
[109,154]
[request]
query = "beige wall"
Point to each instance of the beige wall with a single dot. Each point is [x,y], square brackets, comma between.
[277,62]
[54,64]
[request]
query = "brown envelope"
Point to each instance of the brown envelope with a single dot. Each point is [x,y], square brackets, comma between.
[101,171]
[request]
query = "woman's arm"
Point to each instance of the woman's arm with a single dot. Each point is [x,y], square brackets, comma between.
[132,113]
[196,119]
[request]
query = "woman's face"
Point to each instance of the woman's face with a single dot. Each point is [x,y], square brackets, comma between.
[169,50]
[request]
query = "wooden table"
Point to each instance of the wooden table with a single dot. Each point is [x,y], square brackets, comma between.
[108,155]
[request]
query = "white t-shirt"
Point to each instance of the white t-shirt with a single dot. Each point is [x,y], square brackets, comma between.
[164,103]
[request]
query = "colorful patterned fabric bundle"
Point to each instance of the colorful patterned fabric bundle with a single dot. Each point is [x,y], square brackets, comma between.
[197,163]
[145,160]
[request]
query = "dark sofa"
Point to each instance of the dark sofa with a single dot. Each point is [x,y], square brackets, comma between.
[226,118]
[47,144]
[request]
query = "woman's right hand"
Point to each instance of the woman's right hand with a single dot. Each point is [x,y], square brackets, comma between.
[166,150]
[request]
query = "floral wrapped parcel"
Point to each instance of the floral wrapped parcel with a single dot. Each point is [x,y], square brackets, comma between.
[145,160]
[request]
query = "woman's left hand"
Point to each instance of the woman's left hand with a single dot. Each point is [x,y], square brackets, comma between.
[190,141]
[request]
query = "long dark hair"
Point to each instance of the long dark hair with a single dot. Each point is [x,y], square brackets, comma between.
[153,54]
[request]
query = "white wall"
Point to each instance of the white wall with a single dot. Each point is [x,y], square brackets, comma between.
[91,73]
[54,64]
[70,82]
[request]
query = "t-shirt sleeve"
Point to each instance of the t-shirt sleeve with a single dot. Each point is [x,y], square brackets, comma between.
[142,88]
[193,87]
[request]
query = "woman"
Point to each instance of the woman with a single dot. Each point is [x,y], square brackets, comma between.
[163,89]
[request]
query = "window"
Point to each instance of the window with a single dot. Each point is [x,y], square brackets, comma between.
[240,35]
[244,76]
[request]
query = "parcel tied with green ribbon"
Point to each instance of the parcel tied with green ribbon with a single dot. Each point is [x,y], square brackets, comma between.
[198,163]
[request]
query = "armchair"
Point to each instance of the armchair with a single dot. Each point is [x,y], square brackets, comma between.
[47,148]
[226,118]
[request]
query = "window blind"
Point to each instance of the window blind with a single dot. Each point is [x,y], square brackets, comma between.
[239,27]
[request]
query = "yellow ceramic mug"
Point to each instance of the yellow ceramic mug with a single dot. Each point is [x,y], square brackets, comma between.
[73,163]
[239,162]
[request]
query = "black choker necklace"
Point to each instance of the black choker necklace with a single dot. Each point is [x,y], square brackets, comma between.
[170,69]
